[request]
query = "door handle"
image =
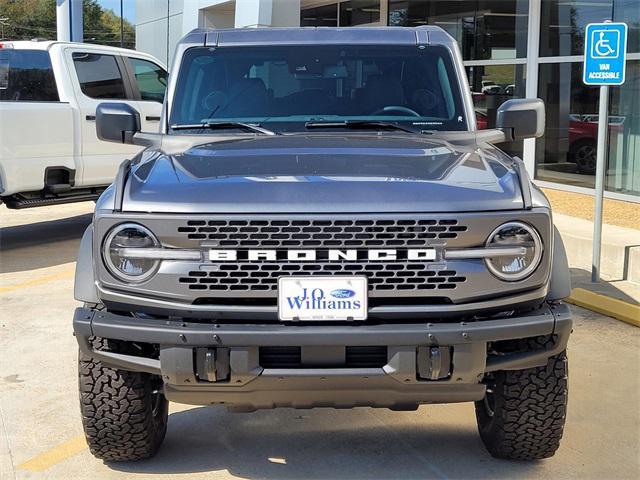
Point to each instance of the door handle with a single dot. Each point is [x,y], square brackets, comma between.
[152,119]
[91,118]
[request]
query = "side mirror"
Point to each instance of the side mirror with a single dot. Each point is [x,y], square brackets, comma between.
[117,122]
[521,118]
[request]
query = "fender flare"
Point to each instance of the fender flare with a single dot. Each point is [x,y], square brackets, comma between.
[560,281]
[84,289]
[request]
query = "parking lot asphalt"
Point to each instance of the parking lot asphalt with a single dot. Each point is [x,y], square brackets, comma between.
[41,434]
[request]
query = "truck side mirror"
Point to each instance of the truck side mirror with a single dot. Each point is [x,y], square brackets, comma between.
[117,122]
[521,118]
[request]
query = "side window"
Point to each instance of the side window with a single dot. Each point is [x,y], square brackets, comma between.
[151,79]
[27,76]
[99,75]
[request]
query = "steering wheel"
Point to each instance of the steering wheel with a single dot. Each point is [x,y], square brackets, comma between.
[396,108]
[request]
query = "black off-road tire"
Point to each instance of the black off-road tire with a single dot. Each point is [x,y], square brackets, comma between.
[124,414]
[522,417]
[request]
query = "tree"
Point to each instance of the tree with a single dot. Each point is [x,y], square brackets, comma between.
[103,26]
[29,19]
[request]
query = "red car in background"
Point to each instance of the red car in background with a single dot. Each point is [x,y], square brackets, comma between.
[482,122]
[583,135]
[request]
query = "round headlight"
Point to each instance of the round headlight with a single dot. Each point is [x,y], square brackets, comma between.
[512,268]
[117,252]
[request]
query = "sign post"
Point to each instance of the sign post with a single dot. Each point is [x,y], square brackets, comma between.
[605,49]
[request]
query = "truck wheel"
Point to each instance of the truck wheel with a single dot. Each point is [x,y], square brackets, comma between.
[124,414]
[522,415]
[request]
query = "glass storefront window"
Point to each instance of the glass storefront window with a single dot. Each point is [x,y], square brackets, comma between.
[359,12]
[567,151]
[564,21]
[491,86]
[343,14]
[485,29]
[407,13]
[326,16]
[629,11]
[623,173]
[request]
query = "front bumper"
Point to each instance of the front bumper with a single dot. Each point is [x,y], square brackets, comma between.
[124,301]
[397,384]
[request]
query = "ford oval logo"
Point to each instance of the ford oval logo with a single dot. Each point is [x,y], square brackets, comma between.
[343,293]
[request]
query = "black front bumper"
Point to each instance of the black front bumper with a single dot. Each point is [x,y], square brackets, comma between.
[250,386]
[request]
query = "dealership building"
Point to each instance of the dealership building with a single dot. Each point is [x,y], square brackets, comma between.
[511,49]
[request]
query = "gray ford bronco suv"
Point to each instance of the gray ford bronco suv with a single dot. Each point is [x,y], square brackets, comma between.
[319,223]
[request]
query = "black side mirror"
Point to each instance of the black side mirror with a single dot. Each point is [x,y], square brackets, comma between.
[117,122]
[521,118]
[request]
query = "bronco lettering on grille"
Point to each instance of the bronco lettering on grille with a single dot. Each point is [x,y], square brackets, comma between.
[417,254]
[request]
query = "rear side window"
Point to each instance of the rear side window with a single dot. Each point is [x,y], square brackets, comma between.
[27,76]
[99,75]
[151,79]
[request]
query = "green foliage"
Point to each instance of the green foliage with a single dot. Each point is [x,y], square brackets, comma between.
[29,19]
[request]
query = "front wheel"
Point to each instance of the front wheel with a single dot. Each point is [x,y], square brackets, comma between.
[522,415]
[124,414]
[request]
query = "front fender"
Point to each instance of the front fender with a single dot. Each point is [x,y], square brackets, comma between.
[84,289]
[560,282]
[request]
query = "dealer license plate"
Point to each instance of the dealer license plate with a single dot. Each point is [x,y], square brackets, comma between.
[322,298]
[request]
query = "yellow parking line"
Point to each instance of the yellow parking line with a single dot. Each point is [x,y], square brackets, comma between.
[612,307]
[38,281]
[55,455]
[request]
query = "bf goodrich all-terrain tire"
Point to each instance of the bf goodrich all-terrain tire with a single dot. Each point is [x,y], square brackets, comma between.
[124,414]
[522,416]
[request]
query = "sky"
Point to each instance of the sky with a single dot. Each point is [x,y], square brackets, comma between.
[129,8]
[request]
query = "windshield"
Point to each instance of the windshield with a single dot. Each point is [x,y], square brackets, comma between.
[289,88]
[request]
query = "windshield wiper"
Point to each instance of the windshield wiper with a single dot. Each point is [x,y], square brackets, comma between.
[223,125]
[361,124]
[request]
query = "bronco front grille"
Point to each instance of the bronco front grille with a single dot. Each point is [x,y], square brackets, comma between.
[251,280]
[264,276]
[320,233]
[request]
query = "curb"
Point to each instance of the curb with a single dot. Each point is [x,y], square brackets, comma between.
[611,307]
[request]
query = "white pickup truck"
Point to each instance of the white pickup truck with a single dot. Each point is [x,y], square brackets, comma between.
[49,91]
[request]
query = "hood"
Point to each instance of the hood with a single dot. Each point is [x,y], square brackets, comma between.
[325,174]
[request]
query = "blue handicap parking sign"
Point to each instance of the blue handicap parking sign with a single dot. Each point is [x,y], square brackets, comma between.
[605,49]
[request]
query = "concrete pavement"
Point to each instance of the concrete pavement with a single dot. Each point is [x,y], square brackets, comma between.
[40,430]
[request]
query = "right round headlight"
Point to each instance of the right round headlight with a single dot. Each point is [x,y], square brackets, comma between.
[121,252]
[512,268]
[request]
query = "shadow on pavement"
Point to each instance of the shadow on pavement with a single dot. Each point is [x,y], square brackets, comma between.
[40,245]
[582,279]
[43,233]
[323,443]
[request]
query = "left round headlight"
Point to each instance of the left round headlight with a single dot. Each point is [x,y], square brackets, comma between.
[515,267]
[119,252]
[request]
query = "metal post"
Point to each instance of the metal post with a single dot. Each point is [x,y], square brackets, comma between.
[601,161]
[63,20]
[168,28]
[76,20]
[121,24]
